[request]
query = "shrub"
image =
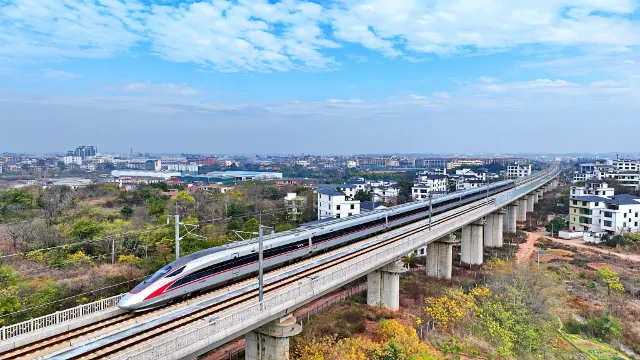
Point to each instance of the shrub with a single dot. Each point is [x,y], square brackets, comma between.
[604,327]
[573,327]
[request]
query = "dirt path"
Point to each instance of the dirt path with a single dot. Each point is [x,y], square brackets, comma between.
[582,245]
[527,249]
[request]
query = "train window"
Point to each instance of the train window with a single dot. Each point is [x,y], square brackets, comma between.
[176,272]
[160,273]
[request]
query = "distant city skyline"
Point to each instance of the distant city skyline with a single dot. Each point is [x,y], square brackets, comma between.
[334,76]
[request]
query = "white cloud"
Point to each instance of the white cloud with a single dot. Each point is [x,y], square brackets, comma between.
[417,97]
[258,35]
[242,36]
[58,75]
[155,89]
[460,27]
[51,29]
[350,101]
[442,95]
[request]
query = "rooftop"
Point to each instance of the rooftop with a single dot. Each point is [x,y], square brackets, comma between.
[330,192]
[623,199]
[591,198]
[370,205]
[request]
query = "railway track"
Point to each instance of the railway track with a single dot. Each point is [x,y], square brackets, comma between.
[110,325]
[126,341]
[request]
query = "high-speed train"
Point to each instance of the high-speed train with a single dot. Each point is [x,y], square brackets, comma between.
[220,265]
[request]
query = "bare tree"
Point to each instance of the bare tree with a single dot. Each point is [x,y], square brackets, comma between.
[53,201]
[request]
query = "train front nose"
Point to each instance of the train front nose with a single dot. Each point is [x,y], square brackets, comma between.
[128,302]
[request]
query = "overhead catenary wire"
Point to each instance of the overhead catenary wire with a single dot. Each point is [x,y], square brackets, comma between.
[74,296]
[105,238]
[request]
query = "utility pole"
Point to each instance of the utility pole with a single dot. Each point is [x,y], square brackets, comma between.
[430,207]
[177,231]
[260,264]
[113,250]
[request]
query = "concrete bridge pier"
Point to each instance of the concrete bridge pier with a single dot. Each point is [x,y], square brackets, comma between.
[509,223]
[440,257]
[383,286]
[540,193]
[494,229]
[471,250]
[530,202]
[271,341]
[522,209]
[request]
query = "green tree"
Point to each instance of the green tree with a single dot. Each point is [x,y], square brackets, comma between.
[9,300]
[610,278]
[251,225]
[156,207]
[183,203]
[556,225]
[126,211]
[84,229]
[234,210]
[363,195]
[604,327]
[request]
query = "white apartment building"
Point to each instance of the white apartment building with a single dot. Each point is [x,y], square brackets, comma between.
[621,214]
[349,190]
[439,183]
[592,187]
[626,165]
[515,171]
[71,160]
[464,162]
[295,205]
[185,167]
[333,204]
[1,169]
[387,194]
[469,173]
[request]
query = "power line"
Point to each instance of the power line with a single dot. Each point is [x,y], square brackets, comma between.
[105,238]
[74,296]
[32,270]
[57,247]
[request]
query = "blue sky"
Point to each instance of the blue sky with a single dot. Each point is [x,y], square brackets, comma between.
[343,76]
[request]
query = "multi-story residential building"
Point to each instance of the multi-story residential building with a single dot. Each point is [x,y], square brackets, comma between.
[468,173]
[84,151]
[431,163]
[599,215]
[584,213]
[349,190]
[435,171]
[628,179]
[420,191]
[71,160]
[333,204]
[592,187]
[621,214]
[184,167]
[515,171]
[458,163]
[295,205]
[439,183]
[626,165]
[1,169]
[386,194]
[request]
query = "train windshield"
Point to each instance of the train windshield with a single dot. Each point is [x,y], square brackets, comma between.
[160,273]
